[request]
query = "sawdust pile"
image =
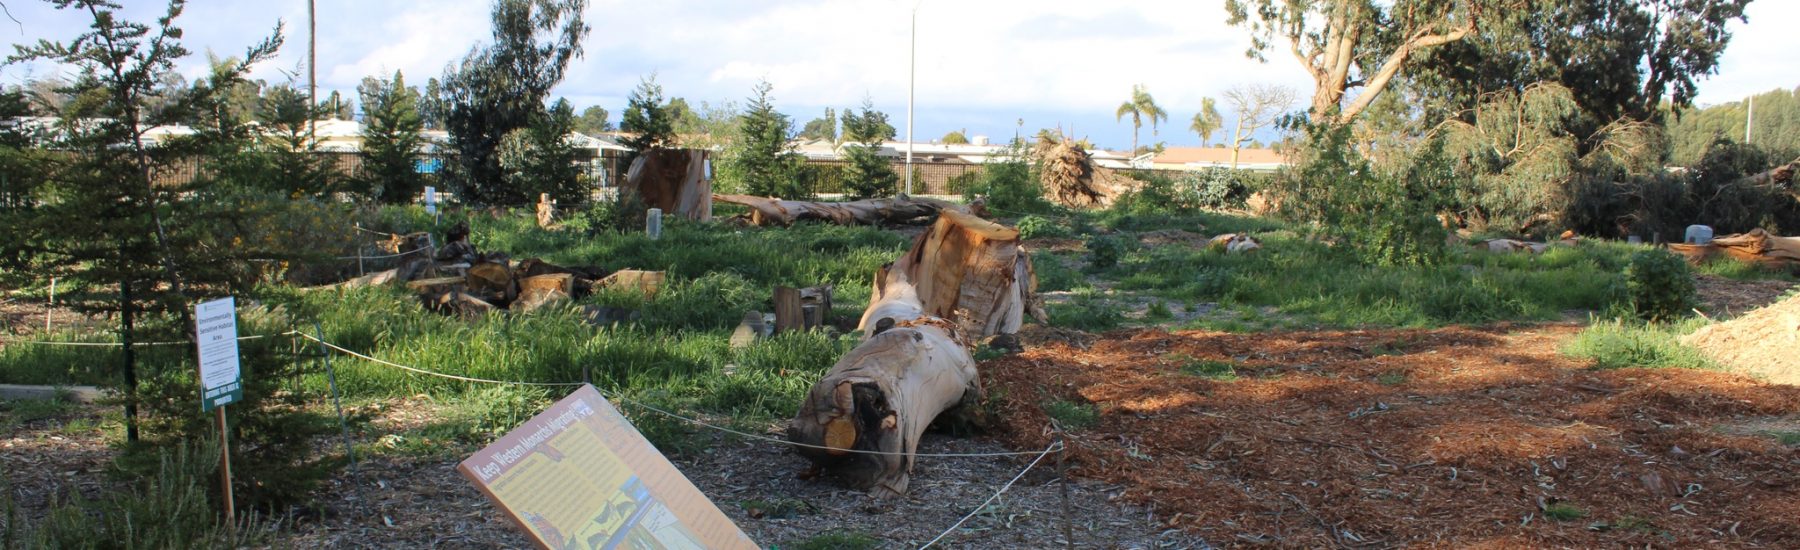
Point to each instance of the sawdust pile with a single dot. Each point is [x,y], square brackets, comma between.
[1764,342]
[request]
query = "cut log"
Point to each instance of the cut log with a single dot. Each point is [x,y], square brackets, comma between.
[863,420]
[492,282]
[966,269]
[879,399]
[772,211]
[646,282]
[674,180]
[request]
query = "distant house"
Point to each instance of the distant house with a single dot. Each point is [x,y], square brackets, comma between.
[1195,158]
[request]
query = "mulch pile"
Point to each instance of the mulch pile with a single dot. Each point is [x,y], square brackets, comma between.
[1764,342]
[1452,437]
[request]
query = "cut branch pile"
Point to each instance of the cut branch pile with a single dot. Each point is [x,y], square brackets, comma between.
[1068,173]
[778,212]
[468,284]
[964,277]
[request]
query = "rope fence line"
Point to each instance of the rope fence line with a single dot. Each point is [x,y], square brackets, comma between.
[122,344]
[414,370]
[1057,446]
[1054,446]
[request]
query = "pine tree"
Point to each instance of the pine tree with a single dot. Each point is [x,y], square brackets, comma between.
[760,161]
[648,118]
[869,174]
[391,140]
[539,158]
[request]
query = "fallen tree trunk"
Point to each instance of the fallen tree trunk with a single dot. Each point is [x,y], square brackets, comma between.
[965,276]
[766,211]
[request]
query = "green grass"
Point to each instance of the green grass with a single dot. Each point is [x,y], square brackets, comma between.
[837,540]
[18,412]
[1222,371]
[1563,512]
[1744,271]
[1623,344]
[1391,378]
[1791,439]
[1320,285]
[1072,415]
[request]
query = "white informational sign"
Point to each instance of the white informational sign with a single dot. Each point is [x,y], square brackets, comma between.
[431,200]
[215,331]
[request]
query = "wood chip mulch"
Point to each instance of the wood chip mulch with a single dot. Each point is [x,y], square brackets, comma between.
[1447,438]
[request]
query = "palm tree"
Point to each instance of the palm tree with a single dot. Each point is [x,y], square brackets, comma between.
[1207,121]
[1140,107]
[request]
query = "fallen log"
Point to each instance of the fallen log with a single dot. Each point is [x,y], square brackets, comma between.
[863,420]
[766,211]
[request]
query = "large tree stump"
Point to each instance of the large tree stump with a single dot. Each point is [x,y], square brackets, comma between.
[673,180]
[771,211]
[966,276]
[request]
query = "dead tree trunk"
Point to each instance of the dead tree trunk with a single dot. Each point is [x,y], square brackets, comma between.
[770,211]
[964,277]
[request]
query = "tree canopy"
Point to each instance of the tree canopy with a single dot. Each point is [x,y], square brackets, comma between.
[391,138]
[1140,107]
[1207,121]
[502,87]
[869,174]
[759,161]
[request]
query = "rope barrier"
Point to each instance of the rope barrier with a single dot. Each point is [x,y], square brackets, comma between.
[655,409]
[1003,488]
[430,373]
[122,344]
[810,446]
[419,249]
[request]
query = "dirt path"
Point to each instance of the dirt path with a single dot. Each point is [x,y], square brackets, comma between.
[1443,438]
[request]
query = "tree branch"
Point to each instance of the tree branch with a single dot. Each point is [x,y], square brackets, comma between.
[1396,61]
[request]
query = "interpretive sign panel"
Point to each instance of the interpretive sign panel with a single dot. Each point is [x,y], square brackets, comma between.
[580,476]
[215,332]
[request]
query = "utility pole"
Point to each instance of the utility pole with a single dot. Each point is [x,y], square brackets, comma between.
[1749,120]
[312,72]
[912,73]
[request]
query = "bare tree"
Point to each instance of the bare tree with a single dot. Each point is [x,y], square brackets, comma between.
[1257,106]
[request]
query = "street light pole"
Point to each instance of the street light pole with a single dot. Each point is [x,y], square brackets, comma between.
[912,72]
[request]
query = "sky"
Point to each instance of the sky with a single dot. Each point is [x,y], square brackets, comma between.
[981,66]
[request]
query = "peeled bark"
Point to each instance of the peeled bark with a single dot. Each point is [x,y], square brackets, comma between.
[766,211]
[966,276]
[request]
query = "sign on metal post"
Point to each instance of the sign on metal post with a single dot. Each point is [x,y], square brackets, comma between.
[579,475]
[431,200]
[215,331]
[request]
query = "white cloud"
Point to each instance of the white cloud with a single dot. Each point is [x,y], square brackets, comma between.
[978,62]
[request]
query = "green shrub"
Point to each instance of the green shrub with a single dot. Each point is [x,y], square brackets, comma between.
[1010,186]
[170,508]
[1039,227]
[1223,371]
[1086,311]
[1660,285]
[1104,251]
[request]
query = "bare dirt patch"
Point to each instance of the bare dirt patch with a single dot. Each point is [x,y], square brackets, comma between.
[1453,437]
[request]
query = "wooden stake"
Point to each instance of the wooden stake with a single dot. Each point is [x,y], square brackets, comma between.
[225,467]
[52,305]
[1062,478]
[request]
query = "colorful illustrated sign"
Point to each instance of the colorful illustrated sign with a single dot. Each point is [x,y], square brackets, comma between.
[579,476]
[215,331]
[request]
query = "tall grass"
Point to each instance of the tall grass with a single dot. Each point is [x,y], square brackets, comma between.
[1618,343]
